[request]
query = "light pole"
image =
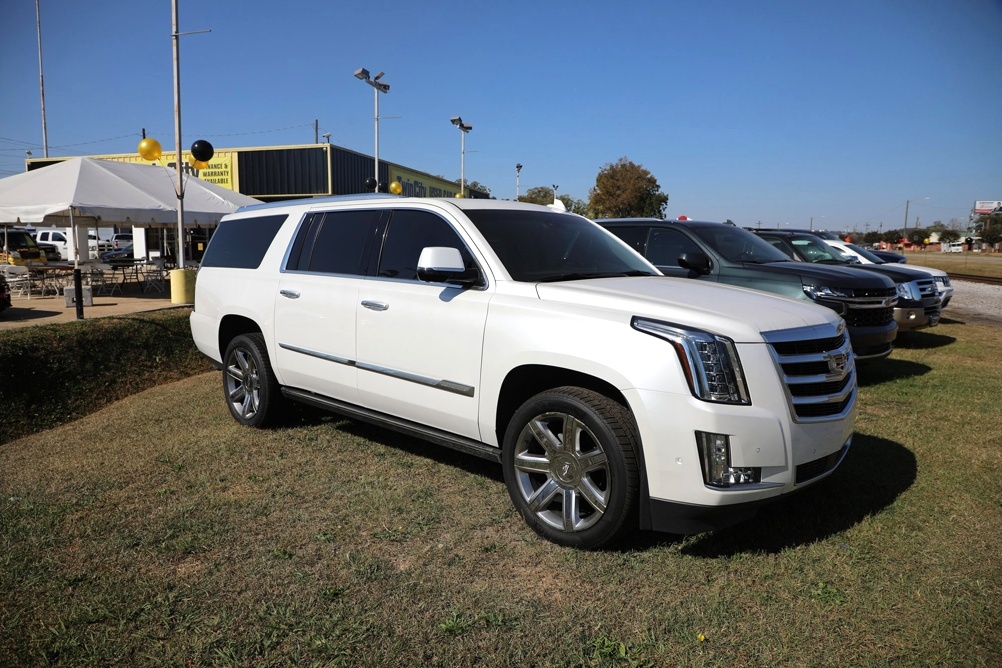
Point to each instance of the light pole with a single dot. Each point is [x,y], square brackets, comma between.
[41,79]
[377,88]
[907,202]
[518,170]
[463,128]
[555,186]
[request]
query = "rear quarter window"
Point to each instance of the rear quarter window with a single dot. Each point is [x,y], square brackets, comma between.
[242,242]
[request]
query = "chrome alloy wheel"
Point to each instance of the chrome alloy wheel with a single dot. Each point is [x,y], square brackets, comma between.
[243,383]
[562,472]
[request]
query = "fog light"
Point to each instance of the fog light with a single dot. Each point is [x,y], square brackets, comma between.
[715,459]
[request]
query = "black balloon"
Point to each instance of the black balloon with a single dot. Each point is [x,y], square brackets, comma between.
[370,183]
[202,150]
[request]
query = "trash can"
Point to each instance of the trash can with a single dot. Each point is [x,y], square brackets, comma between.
[182,286]
[86,296]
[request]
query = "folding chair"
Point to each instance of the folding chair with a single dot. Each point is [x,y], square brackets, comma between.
[102,277]
[155,276]
[18,280]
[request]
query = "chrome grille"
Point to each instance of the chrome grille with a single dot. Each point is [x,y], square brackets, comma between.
[817,370]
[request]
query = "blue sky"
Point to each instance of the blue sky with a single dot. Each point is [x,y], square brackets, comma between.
[768,112]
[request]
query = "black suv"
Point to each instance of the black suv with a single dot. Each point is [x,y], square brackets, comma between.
[919,303]
[728,254]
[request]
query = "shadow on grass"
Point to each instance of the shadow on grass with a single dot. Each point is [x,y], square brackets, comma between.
[886,370]
[922,340]
[301,415]
[873,475]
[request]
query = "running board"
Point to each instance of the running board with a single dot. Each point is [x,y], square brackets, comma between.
[460,443]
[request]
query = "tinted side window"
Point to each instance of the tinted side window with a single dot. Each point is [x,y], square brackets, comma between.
[242,243]
[635,236]
[666,246]
[409,232]
[335,242]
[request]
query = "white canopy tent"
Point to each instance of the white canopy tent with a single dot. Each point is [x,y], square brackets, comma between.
[104,193]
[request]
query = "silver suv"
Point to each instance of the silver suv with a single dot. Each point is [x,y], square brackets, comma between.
[612,397]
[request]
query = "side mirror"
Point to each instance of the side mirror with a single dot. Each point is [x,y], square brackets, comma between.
[438,264]
[696,261]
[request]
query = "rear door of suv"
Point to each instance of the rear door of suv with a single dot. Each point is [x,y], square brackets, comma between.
[316,304]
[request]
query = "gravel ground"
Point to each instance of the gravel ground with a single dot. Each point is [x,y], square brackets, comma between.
[975,303]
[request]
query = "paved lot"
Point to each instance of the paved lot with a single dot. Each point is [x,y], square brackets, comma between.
[52,309]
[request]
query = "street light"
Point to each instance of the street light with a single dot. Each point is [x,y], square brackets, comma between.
[464,128]
[555,192]
[518,170]
[378,87]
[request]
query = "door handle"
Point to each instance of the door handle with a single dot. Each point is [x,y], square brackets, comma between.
[291,294]
[375,306]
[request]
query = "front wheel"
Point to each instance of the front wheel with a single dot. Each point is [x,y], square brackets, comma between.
[570,466]
[249,384]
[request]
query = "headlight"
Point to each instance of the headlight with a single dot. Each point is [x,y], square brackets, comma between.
[909,291]
[710,362]
[816,292]
[833,298]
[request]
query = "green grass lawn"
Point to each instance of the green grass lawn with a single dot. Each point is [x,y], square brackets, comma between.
[157,531]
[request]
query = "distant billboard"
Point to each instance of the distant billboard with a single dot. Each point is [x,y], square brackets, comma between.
[986,206]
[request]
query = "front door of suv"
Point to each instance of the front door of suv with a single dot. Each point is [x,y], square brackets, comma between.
[420,344]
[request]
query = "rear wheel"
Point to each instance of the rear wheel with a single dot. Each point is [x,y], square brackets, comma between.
[570,466]
[249,384]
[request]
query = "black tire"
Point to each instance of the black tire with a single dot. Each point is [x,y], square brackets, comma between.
[584,496]
[251,390]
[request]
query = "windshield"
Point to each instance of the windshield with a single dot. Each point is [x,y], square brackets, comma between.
[863,253]
[17,239]
[551,246]
[737,245]
[814,249]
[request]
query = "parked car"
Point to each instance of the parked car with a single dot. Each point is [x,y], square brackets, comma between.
[919,304]
[60,238]
[50,251]
[864,256]
[890,257]
[21,249]
[120,240]
[121,255]
[612,397]
[722,253]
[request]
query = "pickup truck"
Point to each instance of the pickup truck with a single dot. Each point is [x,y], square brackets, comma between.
[612,397]
[61,239]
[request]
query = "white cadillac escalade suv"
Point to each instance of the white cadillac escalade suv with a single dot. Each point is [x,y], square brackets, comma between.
[613,397]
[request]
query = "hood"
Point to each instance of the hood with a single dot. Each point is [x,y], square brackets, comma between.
[737,313]
[899,273]
[842,276]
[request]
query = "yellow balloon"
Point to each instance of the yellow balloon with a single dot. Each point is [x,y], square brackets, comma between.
[199,164]
[459,195]
[192,160]
[396,188]
[149,149]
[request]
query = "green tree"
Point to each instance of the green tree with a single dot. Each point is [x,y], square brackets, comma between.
[626,189]
[538,195]
[949,236]
[473,185]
